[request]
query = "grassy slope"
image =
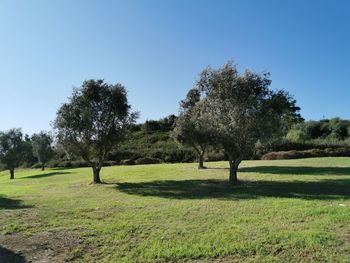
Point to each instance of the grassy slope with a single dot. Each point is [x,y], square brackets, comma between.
[289,211]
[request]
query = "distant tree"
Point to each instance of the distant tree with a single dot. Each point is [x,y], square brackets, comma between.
[94,121]
[164,124]
[192,127]
[28,157]
[11,149]
[339,129]
[243,110]
[42,147]
[323,131]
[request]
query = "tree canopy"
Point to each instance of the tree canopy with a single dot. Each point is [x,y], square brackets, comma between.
[11,149]
[192,127]
[242,110]
[93,121]
[42,147]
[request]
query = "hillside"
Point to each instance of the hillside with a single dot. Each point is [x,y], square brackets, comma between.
[153,139]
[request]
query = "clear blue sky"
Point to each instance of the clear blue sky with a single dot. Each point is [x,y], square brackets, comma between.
[157,48]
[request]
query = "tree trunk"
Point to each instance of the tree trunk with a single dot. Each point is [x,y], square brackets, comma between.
[201,161]
[233,171]
[96,172]
[12,173]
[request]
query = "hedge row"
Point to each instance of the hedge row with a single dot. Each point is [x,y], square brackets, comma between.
[327,152]
[77,164]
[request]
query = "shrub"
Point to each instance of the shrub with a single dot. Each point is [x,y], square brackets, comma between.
[148,160]
[327,152]
[172,155]
[110,163]
[36,166]
[68,164]
[127,162]
[213,156]
[296,136]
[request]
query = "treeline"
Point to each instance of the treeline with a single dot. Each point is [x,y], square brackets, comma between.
[322,138]
[307,135]
[226,115]
[149,142]
[18,150]
[152,142]
[326,132]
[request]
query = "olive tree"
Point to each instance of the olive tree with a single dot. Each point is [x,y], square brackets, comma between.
[42,147]
[191,127]
[94,121]
[11,149]
[243,110]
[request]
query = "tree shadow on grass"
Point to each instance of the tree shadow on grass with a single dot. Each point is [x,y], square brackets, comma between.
[37,176]
[9,256]
[297,170]
[218,189]
[7,203]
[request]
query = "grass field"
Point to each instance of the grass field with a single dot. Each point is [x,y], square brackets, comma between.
[283,211]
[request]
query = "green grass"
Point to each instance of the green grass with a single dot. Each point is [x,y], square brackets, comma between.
[283,211]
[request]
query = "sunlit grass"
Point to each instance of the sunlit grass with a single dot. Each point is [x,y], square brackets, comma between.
[289,211]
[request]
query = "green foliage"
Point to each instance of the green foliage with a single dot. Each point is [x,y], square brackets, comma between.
[28,156]
[162,125]
[94,121]
[127,162]
[294,154]
[157,142]
[333,134]
[296,136]
[11,149]
[148,160]
[192,127]
[241,110]
[42,147]
[334,130]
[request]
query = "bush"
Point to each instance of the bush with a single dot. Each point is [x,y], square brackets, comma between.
[173,155]
[213,156]
[68,164]
[127,162]
[148,160]
[110,163]
[327,152]
[36,166]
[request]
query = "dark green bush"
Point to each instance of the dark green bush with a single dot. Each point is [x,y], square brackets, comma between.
[36,166]
[111,163]
[127,162]
[327,152]
[148,160]
[213,156]
[173,155]
[68,164]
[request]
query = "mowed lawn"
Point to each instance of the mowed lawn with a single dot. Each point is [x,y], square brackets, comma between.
[283,211]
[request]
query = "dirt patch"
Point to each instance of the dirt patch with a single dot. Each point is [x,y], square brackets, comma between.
[50,246]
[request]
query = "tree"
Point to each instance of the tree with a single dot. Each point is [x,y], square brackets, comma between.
[243,110]
[94,121]
[28,157]
[191,127]
[42,147]
[11,149]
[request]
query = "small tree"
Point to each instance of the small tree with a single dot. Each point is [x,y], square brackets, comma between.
[42,147]
[11,149]
[243,110]
[28,157]
[191,127]
[94,121]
